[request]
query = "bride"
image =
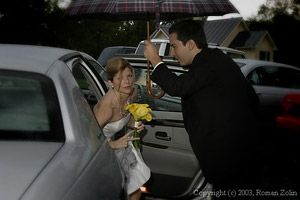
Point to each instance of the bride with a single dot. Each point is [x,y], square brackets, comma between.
[112,118]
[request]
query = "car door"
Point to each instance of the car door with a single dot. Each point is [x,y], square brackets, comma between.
[166,147]
[101,177]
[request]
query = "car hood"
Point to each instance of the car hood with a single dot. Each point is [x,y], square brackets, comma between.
[20,163]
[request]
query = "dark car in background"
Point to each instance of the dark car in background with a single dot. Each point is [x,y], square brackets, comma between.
[110,52]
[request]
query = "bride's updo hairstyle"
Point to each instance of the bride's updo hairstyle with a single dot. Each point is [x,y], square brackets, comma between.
[116,65]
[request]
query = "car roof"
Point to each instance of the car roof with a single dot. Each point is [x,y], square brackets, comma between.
[158,40]
[29,58]
[251,62]
[118,47]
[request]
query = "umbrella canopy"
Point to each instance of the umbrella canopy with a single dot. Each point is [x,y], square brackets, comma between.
[122,10]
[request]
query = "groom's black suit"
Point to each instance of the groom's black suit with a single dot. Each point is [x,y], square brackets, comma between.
[218,106]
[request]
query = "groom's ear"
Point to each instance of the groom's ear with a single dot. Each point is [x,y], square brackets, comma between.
[191,44]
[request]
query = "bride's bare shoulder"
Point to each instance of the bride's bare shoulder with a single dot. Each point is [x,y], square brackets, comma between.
[106,102]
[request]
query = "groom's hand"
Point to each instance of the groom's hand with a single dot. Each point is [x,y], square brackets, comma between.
[151,53]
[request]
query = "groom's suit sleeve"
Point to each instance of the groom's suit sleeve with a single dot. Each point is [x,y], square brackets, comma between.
[182,85]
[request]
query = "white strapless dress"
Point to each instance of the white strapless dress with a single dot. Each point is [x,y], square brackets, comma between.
[133,166]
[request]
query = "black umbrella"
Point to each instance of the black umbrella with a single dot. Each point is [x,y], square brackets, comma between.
[122,10]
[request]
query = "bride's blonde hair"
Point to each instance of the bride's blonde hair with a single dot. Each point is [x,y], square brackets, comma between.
[115,65]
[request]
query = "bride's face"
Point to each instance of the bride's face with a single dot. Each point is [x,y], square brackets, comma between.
[123,81]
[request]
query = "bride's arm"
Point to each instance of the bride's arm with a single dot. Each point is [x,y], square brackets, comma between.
[103,112]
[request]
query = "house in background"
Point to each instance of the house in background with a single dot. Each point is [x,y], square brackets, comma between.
[233,33]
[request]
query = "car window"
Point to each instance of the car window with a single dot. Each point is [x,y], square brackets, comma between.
[264,76]
[253,77]
[101,71]
[140,49]
[275,76]
[289,78]
[85,83]
[166,103]
[29,108]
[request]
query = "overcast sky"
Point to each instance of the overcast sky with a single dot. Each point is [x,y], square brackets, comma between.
[247,8]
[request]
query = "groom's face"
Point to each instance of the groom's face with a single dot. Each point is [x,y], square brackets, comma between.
[179,50]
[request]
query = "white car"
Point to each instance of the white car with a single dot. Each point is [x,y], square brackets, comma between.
[51,146]
[163,46]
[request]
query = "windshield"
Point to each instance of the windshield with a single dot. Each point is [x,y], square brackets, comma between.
[166,103]
[140,49]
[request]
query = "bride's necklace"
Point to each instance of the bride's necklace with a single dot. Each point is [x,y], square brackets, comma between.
[123,112]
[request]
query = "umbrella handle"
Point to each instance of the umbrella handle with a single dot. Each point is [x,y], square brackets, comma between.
[162,93]
[148,82]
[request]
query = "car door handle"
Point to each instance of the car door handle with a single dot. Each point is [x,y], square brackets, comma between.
[162,136]
[166,122]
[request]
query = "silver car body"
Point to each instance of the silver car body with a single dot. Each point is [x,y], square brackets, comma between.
[82,165]
[271,81]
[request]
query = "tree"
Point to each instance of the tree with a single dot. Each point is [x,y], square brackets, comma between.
[26,21]
[93,35]
[278,7]
[42,22]
[282,19]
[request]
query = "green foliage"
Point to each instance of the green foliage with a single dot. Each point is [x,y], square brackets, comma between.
[93,35]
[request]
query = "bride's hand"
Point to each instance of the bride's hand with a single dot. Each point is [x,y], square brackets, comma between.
[123,141]
[140,126]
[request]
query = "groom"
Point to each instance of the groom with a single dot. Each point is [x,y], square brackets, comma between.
[218,105]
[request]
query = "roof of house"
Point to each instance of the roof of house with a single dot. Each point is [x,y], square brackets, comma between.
[218,30]
[164,28]
[248,39]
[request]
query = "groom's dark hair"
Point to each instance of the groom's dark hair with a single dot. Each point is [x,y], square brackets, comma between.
[190,30]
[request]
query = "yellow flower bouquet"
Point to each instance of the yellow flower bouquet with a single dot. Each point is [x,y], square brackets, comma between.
[139,112]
